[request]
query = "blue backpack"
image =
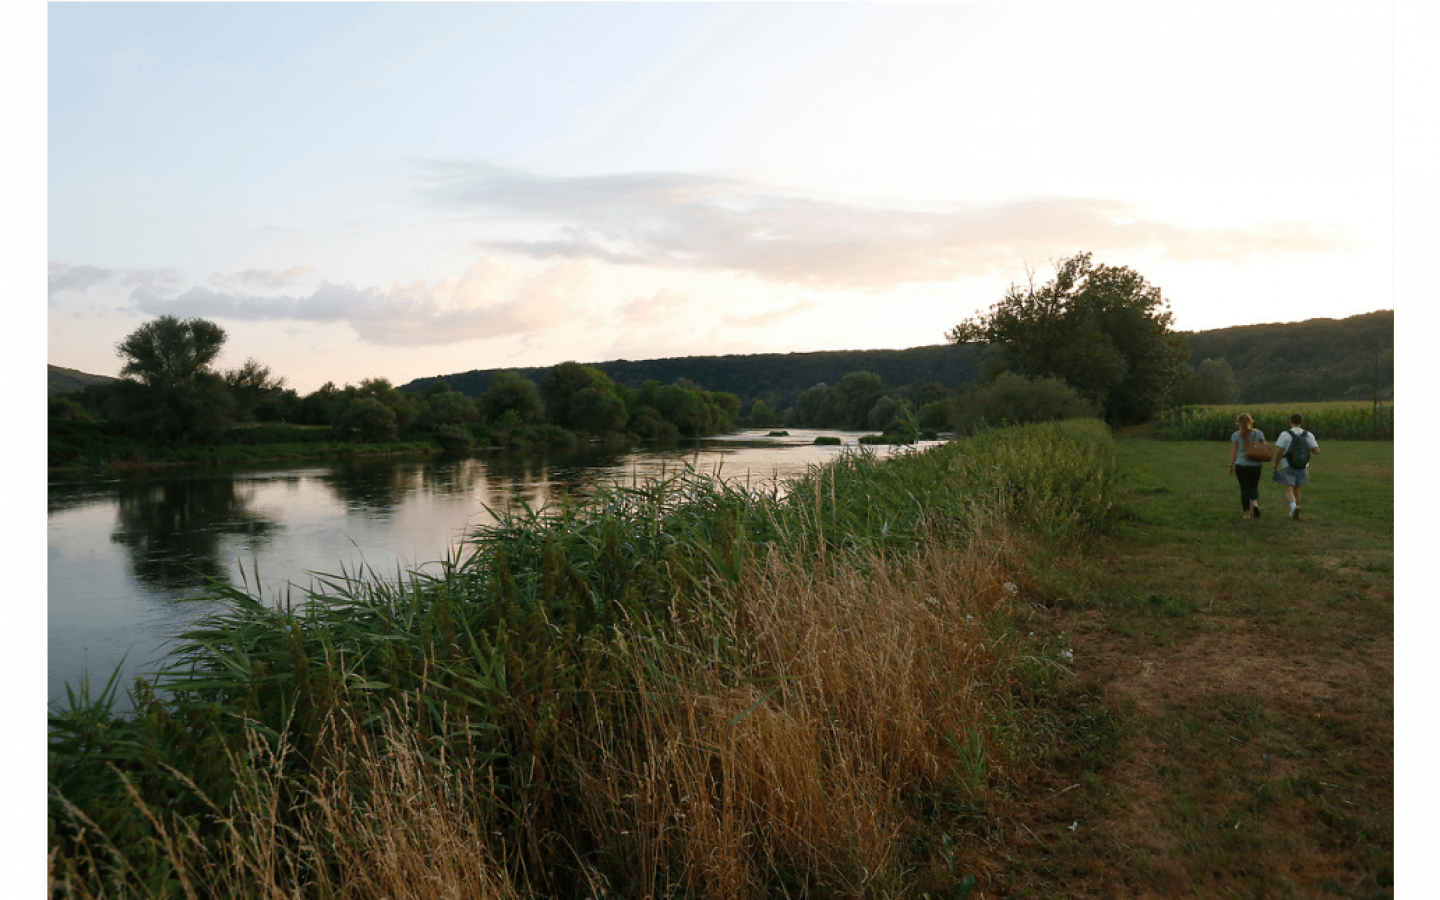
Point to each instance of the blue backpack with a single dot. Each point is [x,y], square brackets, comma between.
[1297,455]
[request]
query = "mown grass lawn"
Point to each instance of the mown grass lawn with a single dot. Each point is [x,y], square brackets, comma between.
[1248,666]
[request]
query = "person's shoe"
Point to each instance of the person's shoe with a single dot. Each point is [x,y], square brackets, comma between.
[1296,514]
[1255,510]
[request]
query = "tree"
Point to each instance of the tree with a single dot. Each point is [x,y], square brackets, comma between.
[370,420]
[169,351]
[582,398]
[762,414]
[511,391]
[252,385]
[170,393]
[1102,329]
[1212,382]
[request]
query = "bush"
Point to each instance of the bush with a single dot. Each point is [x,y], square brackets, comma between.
[370,419]
[454,438]
[1013,399]
[67,409]
[936,414]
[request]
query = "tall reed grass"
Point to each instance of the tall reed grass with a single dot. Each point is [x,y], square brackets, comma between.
[1343,421]
[677,688]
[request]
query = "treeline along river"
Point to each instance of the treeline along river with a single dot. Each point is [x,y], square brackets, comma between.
[129,553]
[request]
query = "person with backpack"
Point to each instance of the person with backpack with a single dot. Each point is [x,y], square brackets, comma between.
[1292,462]
[1248,453]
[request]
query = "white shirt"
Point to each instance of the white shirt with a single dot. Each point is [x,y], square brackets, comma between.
[1282,443]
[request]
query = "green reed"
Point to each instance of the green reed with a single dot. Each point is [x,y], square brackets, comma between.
[508,646]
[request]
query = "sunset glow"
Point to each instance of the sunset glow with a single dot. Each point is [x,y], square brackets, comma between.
[403,190]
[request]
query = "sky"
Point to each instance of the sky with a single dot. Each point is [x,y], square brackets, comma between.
[401,190]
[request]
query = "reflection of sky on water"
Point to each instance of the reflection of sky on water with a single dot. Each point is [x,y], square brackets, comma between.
[124,552]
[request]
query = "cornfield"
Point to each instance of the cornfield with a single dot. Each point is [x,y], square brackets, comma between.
[1341,421]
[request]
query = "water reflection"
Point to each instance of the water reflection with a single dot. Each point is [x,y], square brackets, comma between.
[172,529]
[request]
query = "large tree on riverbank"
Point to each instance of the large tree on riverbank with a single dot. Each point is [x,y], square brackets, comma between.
[170,392]
[1102,329]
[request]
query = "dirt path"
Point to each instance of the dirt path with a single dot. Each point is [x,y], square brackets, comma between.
[1228,715]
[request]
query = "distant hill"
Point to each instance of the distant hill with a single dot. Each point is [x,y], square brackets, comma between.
[1297,362]
[776,378]
[1318,359]
[64,381]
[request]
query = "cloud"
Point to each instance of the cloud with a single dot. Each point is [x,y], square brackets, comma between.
[62,277]
[492,299]
[718,223]
[260,278]
[65,277]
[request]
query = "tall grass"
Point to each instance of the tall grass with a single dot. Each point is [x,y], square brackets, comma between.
[1345,421]
[678,688]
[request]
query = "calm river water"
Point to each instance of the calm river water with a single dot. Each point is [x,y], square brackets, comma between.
[127,553]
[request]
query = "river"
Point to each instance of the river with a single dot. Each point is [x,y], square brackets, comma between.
[128,553]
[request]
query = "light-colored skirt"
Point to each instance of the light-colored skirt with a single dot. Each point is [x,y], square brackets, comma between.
[1291,477]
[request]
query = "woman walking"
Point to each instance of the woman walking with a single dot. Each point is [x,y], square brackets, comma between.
[1246,470]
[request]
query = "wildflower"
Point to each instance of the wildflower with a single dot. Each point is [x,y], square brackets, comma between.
[1067,654]
[1010,588]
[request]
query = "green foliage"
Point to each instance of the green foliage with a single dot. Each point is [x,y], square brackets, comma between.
[936,414]
[1212,382]
[65,408]
[511,391]
[1102,329]
[252,386]
[446,408]
[454,438]
[509,648]
[169,352]
[404,409]
[1017,400]
[1315,360]
[170,394]
[855,395]
[1355,421]
[582,398]
[762,414]
[777,378]
[369,419]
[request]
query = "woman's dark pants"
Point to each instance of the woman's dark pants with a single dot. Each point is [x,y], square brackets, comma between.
[1249,478]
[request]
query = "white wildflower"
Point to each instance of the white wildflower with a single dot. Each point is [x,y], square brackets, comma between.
[1067,654]
[1010,588]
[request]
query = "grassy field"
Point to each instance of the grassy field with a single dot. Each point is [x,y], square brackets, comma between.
[1042,662]
[1246,668]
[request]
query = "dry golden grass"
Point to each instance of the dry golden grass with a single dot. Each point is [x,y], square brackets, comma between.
[860,684]
[383,822]
[780,767]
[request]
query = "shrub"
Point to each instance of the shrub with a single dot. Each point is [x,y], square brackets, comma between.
[1017,400]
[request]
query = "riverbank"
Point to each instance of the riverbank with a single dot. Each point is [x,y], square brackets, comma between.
[885,682]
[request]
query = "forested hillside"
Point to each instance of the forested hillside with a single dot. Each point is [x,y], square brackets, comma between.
[65,381]
[1314,360]
[777,378]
